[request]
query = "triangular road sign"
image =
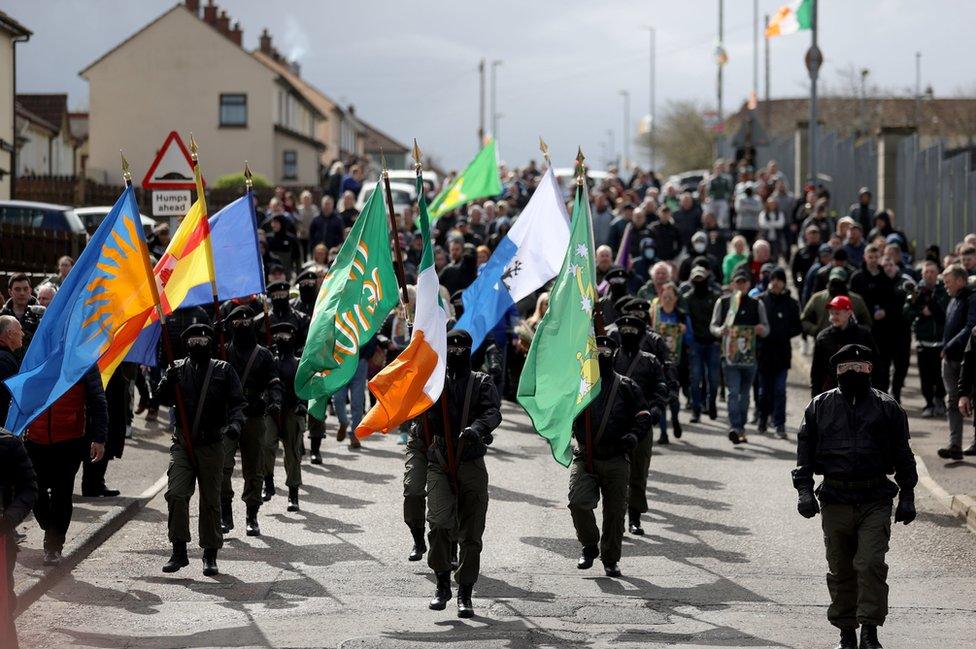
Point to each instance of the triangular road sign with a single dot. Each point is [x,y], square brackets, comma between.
[172,168]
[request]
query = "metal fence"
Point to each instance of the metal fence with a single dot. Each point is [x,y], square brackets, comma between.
[935,188]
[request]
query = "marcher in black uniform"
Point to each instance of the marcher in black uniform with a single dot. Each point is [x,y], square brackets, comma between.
[18,491]
[461,424]
[308,290]
[855,436]
[646,371]
[610,427]
[616,279]
[282,311]
[212,402]
[288,426]
[256,368]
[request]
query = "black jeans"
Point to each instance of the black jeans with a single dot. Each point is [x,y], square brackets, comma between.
[930,375]
[56,466]
[93,476]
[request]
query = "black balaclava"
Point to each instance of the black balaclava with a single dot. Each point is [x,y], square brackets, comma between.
[199,349]
[284,344]
[854,385]
[243,334]
[631,335]
[280,301]
[308,291]
[605,352]
[700,286]
[618,288]
[458,354]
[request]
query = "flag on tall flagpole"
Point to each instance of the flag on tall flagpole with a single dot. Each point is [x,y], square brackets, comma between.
[357,294]
[561,373]
[791,18]
[413,382]
[479,180]
[91,317]
[524,260]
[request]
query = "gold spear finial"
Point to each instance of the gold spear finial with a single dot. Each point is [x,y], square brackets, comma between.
[247,175]
[580,169]
[545,150]
[193,147]
[416,156]
[126,176]
[386,172]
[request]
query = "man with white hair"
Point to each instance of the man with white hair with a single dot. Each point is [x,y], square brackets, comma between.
[45,293]
[11,339]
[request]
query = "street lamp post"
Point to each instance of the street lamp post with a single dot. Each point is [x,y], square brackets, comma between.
[652,148]
[625,163]
[814,58]
[494,98]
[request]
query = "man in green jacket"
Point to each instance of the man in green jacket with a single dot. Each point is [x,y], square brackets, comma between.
[815,317]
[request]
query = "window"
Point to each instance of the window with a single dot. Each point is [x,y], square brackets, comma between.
[233,110]
[289,165]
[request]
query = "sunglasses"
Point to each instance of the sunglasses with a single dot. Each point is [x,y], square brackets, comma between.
[863,367]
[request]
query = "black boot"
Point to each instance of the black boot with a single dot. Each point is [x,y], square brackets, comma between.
[848,639]
[676,427]
[465,608]
[611,569]
[316,450]
[590,553]
[442,594]
[178,559]
[419,545]
[226,516]
[635,524]
[869,637]
[251,526]
[293,499]
[712,410]
[210,562]
[269,488]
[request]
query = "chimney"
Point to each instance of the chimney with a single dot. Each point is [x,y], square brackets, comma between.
[352,110]
[193,6]
[223,23]
[210,13]
[296,68]
[265,42]
[236,34]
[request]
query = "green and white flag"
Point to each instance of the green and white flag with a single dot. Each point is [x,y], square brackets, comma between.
[479,180]
[791,18]
[357,294]
[561,373]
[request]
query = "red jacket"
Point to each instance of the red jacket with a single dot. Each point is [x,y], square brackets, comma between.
[81,409]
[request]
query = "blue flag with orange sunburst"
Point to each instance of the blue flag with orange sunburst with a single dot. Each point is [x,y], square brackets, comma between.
[103,301]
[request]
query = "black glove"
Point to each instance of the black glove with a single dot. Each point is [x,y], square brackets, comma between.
[655,416]
[301,410]
[807,503]
[273,410]
[231,432]
[470,435]
[629,441]
[905,512]
[487,438]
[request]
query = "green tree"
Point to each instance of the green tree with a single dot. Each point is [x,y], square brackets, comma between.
[681,138]
[231,181]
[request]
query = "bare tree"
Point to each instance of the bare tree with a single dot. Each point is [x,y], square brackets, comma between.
[682,138]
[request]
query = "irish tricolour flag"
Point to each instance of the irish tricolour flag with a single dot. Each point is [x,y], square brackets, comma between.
[413,382]
[791,18]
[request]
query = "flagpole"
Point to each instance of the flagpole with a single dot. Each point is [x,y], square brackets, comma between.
[164,331]
[248,184]
[198,179]
[394,239]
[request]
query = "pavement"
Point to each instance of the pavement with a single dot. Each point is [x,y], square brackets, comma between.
[726,562]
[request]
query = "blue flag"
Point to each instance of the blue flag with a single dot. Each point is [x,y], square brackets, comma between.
[98,308]
[237,266]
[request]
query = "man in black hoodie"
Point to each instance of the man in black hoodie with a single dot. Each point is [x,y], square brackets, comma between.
[775,352]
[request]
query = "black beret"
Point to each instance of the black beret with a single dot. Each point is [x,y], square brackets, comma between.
[852,353]
[242,312]
[606,341]
[459,338]
[283,328]
[627,320]
[306,275]
[274,287]
[198,329]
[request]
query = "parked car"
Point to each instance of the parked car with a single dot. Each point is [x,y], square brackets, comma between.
[566,176]
[409,177]
[92,217]
[404,195]
[47,216]
[689,180]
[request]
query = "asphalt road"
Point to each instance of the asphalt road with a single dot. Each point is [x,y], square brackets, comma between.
[726,562]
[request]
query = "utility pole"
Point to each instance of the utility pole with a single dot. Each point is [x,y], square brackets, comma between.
[481,103]
[918,88]
[613,152]
[494,95]
[720,54]
[814,59]
[651,148]
[625,162]
[863,130]
[755,49]
[766,106]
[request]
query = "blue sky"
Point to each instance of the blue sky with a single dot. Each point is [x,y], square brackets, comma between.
[411,67]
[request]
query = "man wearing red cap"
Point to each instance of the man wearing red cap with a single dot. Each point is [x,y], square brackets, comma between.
[841,332]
